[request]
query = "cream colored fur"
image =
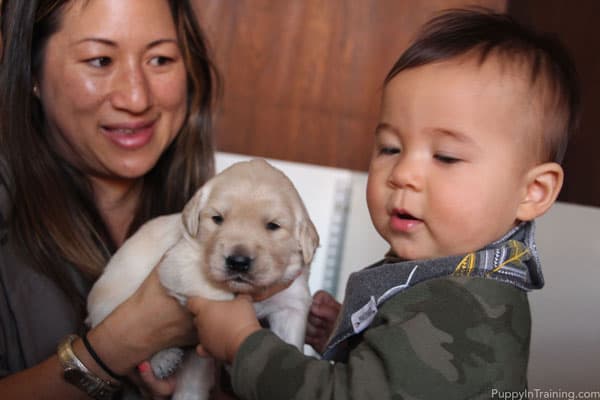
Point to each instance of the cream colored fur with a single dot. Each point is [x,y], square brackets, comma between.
[248,214]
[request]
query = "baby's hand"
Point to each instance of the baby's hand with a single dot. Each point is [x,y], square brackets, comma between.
[321,320]
[223,326]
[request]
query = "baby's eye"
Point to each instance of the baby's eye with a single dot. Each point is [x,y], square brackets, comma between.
[272,226]
[446,159]
[217,219]
[99,62]
[389,150]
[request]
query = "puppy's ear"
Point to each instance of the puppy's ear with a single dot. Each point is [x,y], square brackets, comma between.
[191,211]
[308,238]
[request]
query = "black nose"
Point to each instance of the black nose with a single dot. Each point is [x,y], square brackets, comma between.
[238,263]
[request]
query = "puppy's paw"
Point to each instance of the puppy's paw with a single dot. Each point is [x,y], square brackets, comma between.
[179,395]
[165,362]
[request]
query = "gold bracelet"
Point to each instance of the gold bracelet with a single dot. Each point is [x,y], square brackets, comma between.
[77,374]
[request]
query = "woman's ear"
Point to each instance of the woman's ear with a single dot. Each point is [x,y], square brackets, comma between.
[543,184]
[36,86]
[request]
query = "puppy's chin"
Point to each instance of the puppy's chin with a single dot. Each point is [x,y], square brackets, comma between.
[246,285]
[238,286]
[235,284]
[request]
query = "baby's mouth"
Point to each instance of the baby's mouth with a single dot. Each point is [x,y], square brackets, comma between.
[401,214]
[403,221]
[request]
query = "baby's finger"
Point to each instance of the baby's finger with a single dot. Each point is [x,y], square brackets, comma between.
[196,304]
[325,312]
[315,331]
[323,297]
[317,322]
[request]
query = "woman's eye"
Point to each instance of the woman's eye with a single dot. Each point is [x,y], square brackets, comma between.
[160,61]
[99,62]
[217,219]
[272,226]
[447,159]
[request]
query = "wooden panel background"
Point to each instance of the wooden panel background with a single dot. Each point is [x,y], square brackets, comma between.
[303,77]
[576,24]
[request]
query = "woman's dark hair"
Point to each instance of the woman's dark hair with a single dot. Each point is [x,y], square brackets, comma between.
[456,32]
[53,217]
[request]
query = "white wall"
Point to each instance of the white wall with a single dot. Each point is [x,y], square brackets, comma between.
[565,346]
[363,245]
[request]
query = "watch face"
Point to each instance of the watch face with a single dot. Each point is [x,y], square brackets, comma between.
[82,380]
[88,384]
[76,377]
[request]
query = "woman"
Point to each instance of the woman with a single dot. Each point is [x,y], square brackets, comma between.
[104,123]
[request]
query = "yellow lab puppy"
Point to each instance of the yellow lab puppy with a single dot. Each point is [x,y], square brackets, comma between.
[243,231]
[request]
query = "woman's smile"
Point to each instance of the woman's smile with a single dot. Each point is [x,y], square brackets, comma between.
[130,136]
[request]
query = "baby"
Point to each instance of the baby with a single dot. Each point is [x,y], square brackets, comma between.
[474,123]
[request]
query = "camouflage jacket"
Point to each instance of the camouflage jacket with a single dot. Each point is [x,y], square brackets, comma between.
[455,329]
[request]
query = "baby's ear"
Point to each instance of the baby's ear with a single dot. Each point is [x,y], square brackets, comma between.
[543,186]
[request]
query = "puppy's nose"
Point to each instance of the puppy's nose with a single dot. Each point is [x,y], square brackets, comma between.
[238,263]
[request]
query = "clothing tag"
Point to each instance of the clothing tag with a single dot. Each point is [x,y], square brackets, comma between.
[362,318]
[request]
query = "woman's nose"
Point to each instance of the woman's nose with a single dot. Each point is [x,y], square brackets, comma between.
[407,173]
[132,91]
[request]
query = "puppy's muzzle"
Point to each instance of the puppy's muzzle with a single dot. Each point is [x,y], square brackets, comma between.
[238,263]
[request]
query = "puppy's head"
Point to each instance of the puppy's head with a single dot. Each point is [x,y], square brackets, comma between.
[252,227]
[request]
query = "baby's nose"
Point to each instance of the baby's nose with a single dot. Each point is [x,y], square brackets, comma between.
[408,173]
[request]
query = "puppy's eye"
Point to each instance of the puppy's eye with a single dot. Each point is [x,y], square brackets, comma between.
[272,226]
[217,219]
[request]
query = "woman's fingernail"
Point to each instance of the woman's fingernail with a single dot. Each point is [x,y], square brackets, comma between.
[144,366]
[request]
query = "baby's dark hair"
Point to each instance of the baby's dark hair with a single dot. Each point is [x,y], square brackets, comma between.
[456,32]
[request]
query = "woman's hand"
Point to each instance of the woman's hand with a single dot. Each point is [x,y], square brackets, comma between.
[223,326]
[321,320]
[149,321]
[151,386]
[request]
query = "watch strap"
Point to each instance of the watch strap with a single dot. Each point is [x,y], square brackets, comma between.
[76,373]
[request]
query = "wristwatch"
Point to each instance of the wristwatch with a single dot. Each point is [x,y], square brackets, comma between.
[77,374]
